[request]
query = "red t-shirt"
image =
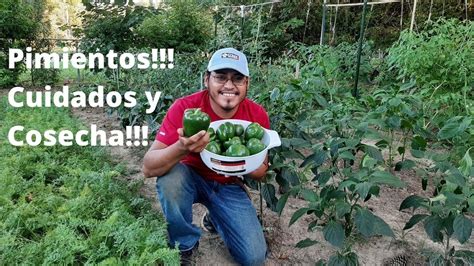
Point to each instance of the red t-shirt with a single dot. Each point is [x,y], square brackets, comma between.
[167,134]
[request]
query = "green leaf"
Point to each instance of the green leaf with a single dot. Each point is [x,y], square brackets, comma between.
[394,122]
[414,220]
[448,224]
[321,100]
[417,153]
[466,164]
[373,152]
[382,144]
[323,177]
[307,242]
[394,102]
[449,130]
[401,150]
[407,85]
[268,193]
[433,226]
[368,162]
[455,177]
[342,208]
[297,215]
[346,155]
[317,158]
[309,195]
[412,201]
[406,164]
[364,222]
[291,176]
[470,201]
[418,143]
[386,178]
[363,189]
[462,228]
[436,259]
[274,94]
[320,262]
[281,203]
[346,184]
[466,122]
[334,233]
[350,259]
[466,255]
[382,228]
[298,142]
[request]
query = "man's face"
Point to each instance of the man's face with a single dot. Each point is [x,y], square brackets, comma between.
[227,88]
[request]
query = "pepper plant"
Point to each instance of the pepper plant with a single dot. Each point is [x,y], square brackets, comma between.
[395,116]
[446,214]
[340,174]
[337,207]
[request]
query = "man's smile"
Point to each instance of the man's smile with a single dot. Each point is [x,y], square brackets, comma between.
[229,94]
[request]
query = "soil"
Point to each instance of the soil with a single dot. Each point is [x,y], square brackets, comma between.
[281,239]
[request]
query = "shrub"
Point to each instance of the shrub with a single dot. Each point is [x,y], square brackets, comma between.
[184,26]
[440,56]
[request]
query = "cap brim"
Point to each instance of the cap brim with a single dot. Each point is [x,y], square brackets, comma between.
[244,72]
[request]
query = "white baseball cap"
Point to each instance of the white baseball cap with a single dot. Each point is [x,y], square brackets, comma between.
[229,58]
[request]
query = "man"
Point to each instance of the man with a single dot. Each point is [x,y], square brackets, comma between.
[182,177]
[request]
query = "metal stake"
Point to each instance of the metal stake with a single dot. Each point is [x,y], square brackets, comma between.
[355,92]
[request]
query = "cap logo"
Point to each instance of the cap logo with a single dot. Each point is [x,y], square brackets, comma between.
[230,56]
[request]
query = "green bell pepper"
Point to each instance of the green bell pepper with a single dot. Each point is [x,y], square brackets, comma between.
[234,140]
[237,150]
[254,130]
[255,146]
[194,121]
[212,134]
[242,139]
[225,131]
[239,129]
[214,147]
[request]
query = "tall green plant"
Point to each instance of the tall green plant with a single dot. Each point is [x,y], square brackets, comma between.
[439,59]
[184,26]
[109,27]
[20,24]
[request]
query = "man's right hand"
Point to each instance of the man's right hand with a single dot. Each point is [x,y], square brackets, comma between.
[195,143]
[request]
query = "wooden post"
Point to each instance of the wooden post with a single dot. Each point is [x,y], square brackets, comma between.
[444,3]
[323,24]
[216,17]
[465,6]
[401,16]
[334,26]
[431,8]
[306,21]
[413,16]
[78,71]
[242,8]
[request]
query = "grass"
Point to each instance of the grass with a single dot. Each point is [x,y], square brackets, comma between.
[65,205]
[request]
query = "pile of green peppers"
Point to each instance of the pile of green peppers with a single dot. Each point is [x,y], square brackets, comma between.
[234,141]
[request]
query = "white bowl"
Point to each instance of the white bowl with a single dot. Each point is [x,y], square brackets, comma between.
[237,166]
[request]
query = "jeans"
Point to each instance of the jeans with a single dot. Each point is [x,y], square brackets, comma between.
[230,210]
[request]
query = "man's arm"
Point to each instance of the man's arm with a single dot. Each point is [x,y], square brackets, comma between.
[160,158]
[259,174]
